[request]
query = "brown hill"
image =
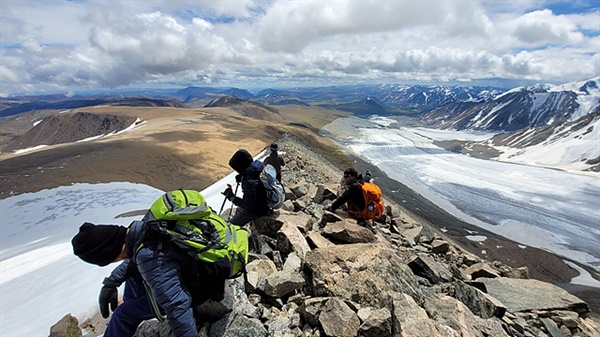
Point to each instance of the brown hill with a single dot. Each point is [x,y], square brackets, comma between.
[173,148]
[66,128]
[247,108]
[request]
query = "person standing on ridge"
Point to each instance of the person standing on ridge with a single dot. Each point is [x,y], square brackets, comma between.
[253,205]
[275,160]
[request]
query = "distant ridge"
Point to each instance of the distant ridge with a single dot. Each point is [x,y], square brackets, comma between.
[14,106]
[363,108]
[67,128]
[246,108]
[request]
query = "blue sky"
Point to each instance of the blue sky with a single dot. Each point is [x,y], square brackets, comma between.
[70,46]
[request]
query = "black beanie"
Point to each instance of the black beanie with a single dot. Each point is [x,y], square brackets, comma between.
[240,161]
[100,244]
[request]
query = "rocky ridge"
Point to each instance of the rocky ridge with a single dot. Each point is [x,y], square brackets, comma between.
[317,273]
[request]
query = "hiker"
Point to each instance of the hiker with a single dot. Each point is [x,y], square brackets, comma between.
[254,202]
[275,160]
[352,194]
[166,271]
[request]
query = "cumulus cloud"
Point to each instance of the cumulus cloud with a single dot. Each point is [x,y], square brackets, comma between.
[99,44]
[543,26]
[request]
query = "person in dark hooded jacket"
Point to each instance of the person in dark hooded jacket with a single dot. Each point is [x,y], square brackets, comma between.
[353,195]
[253,204]
[164,271]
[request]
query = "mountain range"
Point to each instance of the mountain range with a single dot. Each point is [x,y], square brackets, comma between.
[521,118]
[185,137]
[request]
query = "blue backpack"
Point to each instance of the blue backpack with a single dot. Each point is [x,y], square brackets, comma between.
[274,188]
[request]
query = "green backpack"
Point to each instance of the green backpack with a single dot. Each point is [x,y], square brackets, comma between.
[183,218]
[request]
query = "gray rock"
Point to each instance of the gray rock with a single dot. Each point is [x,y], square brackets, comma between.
[68,326]
[292,263]
[299,190]
[338,320]
[258,270]
[552,328]
[409,319]
[153,328]
[377,324]
[316,240]
[235,325]
[290,239]
[480,303]
[324,192]
[348,232]
[311,309]
[452,317]
[363,273]
[281,283]
[425,266]
[527,295]
[440,246]
[481,269]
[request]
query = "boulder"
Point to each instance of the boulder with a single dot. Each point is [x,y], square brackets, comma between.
[316,240]
[425,266]
[290,239]
[528,294]
[409,319]
[338,320]
[347,231]
[68,326]
[363,273]
[281,283]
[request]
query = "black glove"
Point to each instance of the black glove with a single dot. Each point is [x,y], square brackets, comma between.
[238,178]
[108,295]
[228,193]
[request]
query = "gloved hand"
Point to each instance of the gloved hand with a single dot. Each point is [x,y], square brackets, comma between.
[108,295]
[327,208]
[238,178]
[228,193]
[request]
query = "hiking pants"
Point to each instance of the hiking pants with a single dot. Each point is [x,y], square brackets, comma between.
[242,217]
[134,310]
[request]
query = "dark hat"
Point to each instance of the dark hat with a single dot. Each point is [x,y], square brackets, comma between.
[350,171]
[240,160]
[274,147]
[99,244]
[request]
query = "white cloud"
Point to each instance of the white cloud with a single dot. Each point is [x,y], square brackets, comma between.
[543,26]
[106,44]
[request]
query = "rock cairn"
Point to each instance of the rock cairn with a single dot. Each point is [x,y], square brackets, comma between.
[314,273]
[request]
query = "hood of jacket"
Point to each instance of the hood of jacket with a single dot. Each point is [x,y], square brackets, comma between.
[254,169]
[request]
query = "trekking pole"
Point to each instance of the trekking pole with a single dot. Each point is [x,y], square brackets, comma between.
[224,201]
[232,206]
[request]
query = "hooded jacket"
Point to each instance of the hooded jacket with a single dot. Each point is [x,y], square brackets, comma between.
[162,270]
[255,196]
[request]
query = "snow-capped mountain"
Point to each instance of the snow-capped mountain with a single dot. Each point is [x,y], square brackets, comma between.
[520,108]
[533,122]
[393,96]
[428,97]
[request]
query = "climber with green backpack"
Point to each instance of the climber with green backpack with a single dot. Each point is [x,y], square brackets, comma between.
[175,259]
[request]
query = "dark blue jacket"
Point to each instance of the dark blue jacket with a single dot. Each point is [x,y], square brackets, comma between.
[162,270]
[255,196]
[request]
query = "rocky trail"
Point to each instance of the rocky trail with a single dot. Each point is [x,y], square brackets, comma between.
[317,273]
